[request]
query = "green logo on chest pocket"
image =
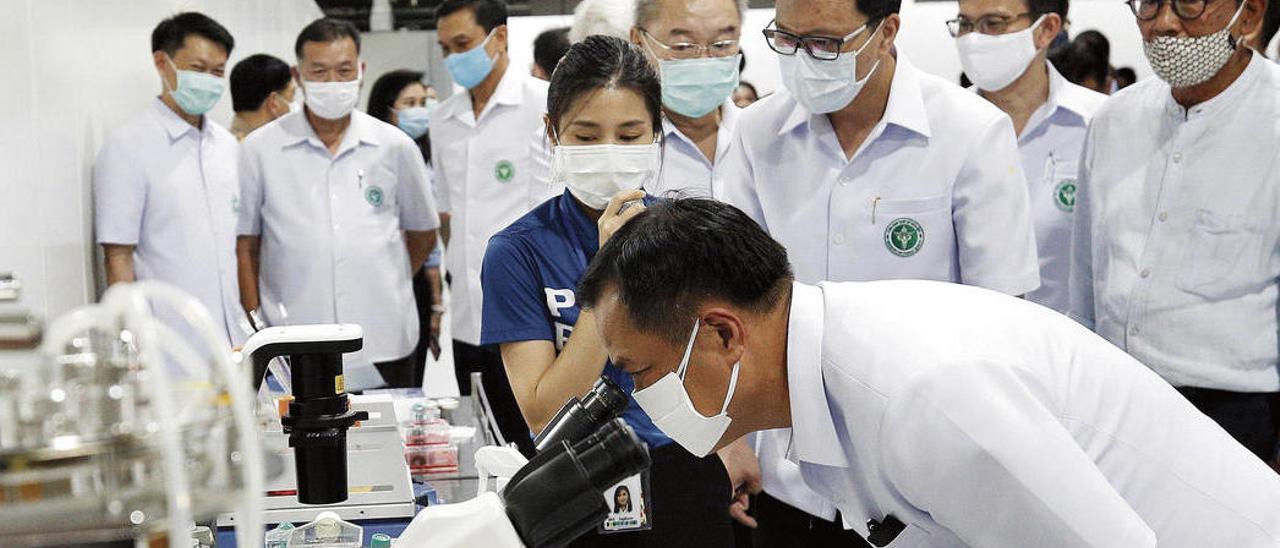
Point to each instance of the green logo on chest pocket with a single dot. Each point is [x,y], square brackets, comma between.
[904,237]
[1064,195]
[374,195]
[505,171]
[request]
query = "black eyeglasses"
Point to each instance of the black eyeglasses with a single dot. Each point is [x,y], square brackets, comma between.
[1146,10]
[993,24]
[822,48]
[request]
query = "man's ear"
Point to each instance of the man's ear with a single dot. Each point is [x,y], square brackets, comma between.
[167,73]
[731,335]
[1049,29]
[889,31]
[500,37]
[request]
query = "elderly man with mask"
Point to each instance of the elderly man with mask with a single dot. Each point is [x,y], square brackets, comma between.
[931,414]
[1003,45]
[694,46]
[867,168]
[1175,256]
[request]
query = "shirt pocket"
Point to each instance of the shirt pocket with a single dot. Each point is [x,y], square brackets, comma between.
[1218,259]
[378,190]
[917,230]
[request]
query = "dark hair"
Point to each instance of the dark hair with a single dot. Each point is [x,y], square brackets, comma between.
[1085,57]
[679,252]
[490,14]
[1041,7]
[603,62]
[875,10]
[171,33]
[383,95]
[326,30]
[1125,77]
[617,508]
[549,47]
[255,78]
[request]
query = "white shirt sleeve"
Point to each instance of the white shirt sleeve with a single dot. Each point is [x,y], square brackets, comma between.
[974,445]
[417,207]
[542,185]
[994,236]
[439,184]
[1080,280]
[119,194]
[251,192]
[735,182]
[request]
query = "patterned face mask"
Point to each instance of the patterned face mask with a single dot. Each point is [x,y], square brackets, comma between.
[1187,61]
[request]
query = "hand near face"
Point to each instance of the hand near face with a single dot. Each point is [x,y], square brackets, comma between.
[615,215]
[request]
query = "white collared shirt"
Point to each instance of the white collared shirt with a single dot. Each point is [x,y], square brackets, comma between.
[977,419]
[935,192]
[332,228]
[685,169]
[483,178]
[171,191]
[1050,145]
[1175,254]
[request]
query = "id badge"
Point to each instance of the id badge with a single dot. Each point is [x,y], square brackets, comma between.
[629,506]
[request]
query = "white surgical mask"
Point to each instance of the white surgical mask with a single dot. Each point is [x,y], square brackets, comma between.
[594,173]
[1184,61]
[332,100]
[823,87]
[668,404]
[994,62]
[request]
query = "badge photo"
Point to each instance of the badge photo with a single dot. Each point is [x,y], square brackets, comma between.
[629,505]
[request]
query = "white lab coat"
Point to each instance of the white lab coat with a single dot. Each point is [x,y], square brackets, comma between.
[979,419]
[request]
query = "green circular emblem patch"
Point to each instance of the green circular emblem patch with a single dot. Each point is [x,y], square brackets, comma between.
[1064,195]
[904,237]
[374,195]
[505,171]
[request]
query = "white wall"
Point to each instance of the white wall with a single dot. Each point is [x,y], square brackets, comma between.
[75,69]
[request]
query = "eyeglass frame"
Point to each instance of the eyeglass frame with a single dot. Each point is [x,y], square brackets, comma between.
[701,49]
[804,41]
[1133,7]
[976,25]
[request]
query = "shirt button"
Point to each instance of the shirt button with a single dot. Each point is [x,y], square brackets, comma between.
[844,181]
[1164,216]
[838,239]
[1134,330]
[1177,157]
[1146,273]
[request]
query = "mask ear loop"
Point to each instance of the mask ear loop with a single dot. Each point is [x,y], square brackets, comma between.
[688,350]
[733,384]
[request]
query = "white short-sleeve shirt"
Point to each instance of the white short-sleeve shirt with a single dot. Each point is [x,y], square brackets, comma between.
[1050,145]
[170,189]
[484,179]
[977,419]
[332,228]
[935,192]
[1176,251]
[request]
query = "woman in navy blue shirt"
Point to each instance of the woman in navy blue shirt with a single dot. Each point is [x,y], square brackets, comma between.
[604,119]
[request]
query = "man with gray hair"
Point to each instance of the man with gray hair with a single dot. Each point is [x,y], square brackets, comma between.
[694,45]
[605,17]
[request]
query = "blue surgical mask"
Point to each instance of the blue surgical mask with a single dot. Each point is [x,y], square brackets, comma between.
[471,67]
[695,87]
[197,92]
[413,120]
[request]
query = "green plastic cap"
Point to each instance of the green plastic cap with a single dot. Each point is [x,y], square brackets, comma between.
[380,540]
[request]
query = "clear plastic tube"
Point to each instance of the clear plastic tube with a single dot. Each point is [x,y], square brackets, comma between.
[249,525]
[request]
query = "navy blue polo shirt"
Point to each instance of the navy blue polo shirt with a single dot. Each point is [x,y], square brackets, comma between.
[530,273]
